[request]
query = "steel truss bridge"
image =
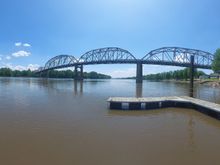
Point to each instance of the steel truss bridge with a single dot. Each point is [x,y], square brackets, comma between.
[174,56]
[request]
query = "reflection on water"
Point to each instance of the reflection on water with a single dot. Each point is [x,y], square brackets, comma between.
[56,121]
[150,88]
[78,87]
[192,143]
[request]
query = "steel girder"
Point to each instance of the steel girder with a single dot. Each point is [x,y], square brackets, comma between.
[175,56]
[107,55]
[178,57]
[60,61]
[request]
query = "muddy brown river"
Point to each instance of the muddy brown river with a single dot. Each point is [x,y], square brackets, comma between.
[62,122]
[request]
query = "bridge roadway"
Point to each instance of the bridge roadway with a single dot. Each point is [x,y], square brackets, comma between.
[173,56]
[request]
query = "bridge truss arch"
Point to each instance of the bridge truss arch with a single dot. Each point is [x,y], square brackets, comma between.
[106,56]
[174,56]
[178,56]
[60,61]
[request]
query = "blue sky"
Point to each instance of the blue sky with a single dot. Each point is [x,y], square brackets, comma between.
[32,32]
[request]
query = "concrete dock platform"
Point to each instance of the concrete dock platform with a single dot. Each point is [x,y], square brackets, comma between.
[149,103]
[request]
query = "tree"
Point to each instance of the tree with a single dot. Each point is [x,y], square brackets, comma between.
[7,72]
[216,62]
[185,73]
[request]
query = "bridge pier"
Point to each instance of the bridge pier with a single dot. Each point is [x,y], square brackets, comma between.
[48,74]
[191,75]
[139,73]
[78,75]
[139,89]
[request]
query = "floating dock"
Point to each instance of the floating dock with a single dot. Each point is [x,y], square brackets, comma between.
[149,103]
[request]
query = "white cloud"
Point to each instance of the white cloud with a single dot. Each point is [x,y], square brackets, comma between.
[0,58]
[18,67]
[6,65]
[8,57]
[18,44]
[123,73]
[26,45]
[153,69]
[32,67]
[21,53]
[147,69]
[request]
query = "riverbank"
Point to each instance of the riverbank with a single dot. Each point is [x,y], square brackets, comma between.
[213,83]
[208,82]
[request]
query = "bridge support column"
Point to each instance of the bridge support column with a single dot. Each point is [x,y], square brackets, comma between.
[81,72]
[75,72]
[78,75]
[139,88]
[191,75]
[48,74]
[139,73]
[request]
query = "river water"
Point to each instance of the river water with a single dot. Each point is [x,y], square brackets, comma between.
[51,121]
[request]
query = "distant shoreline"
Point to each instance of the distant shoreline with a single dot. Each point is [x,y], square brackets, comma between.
[52,77]
[208,82]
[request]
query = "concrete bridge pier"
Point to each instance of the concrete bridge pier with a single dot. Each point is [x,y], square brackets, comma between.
[192,69]
[139,73]
[48,74]
[139,89]
[78,74]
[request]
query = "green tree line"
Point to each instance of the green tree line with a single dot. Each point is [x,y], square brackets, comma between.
[216,61]
[7,72]
[177,75]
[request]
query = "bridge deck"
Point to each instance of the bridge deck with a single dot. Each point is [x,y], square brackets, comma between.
[147,103]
